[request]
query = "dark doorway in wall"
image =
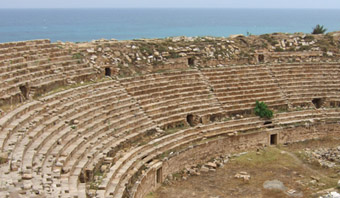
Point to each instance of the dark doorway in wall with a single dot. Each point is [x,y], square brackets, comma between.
[269,124]
[107,71]
[317,102]
[273,139]
[190,120]
[159,175]
[215,117]
[24,91]
[261,58]
[191,62]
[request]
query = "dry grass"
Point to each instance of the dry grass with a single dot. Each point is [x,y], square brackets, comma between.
[150,195]
[7,108]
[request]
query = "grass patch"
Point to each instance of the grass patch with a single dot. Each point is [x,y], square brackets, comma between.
[305,48]
[278,49]
[3,161]
[174,130]
[269,38]
[77,56]
[282,110]
[150,195]
[331,179]
[146,49]
[309,38]
[8,107]
[313,143]
[267,158]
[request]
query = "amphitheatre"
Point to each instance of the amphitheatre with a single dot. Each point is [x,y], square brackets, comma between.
[112,118]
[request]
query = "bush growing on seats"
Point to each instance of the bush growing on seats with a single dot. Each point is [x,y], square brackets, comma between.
[261,109]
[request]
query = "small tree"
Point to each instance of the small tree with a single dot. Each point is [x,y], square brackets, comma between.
[319,29]
[262,110]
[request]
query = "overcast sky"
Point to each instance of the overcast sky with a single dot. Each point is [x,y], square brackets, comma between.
[324,4]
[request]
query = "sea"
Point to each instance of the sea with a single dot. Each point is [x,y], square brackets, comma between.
[79,25]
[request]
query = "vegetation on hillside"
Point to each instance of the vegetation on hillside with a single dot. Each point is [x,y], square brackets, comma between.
[319,29]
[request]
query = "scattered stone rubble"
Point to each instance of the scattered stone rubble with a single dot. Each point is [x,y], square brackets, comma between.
[331,195]
[145,55]
[326,157]
[243,175]
[210,166]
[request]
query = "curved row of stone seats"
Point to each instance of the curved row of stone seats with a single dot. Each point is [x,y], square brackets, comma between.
[28,60]
[20,126]
[29,72]
[82,110]
[35,113]
[41,117]
[249,125]
[14,119]
[114,185]
[35,57]
[29,158]
[117,187]
[302,83]
[169,98]
[34,69]
[120,173]
[287,118]
[42,81]
[57,143]
[10,61]
[121,122]
[65,151]
[25,53]
[237,87]
[14,45]
[302,117]
[49,144]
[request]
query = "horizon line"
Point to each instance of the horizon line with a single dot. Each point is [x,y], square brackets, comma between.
[168,8]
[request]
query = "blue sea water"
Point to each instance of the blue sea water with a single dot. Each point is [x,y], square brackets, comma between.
[122,24]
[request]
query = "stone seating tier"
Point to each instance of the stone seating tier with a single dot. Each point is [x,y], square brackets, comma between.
[24,43]
[64,139]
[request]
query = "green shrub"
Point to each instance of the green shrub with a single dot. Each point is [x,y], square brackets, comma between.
[269,38]
[309,38]
[278,49]
[305,48]
[262,110]
[3,160]
[77,56]
[319,29]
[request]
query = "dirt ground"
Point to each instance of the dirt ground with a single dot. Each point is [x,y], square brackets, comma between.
[287,164]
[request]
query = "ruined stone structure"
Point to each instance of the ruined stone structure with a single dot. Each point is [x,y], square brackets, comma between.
[114,118]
